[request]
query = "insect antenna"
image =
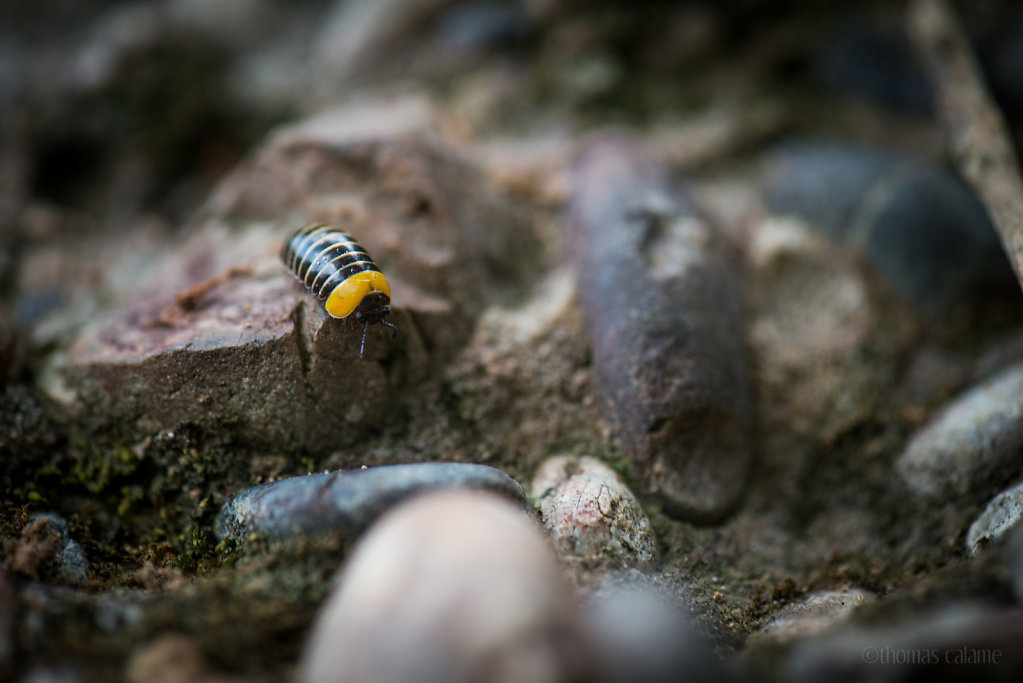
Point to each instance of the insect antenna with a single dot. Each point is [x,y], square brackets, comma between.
[365,331]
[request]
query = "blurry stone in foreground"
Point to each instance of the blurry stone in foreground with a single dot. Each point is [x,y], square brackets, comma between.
[450,587]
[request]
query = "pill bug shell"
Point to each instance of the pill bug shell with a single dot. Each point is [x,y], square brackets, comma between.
[339,271]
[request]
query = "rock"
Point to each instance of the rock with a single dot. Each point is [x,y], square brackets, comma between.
[593,519]
[918,226]
[811,616]
[644,636]
[1001,515]
[45,548]
[971,445]
[664,313]
[452,586]
[346,502]
[977,639]
[221,336]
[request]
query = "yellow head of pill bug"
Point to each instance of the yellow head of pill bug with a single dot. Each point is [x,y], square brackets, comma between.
[347,296]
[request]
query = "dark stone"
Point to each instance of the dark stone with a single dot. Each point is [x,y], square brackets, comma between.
[664,312]
[923,230]
[346,502]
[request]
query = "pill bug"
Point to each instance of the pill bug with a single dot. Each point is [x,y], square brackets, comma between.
[337,269]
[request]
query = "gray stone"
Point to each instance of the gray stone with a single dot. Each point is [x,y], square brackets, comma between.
[593,519]
[453,587]
[1000,516]
[664,313]
[918,225]
[343,503]
[972,444]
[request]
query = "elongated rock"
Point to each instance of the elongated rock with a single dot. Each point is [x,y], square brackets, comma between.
[664,313]
[971,445]
[345,502]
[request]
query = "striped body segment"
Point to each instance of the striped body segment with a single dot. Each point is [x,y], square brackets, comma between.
[337,269]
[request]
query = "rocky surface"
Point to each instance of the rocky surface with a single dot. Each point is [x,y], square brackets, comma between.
[219,334]
[749,374]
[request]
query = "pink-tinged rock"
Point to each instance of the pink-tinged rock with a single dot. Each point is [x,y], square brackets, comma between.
[593,519]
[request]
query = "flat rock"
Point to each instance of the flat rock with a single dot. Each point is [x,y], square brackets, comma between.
[664,311]
[971,444]
[219,335]
[454,586]
[344,503]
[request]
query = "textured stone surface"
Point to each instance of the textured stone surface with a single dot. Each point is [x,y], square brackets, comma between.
[346,502]
[1000,516]
[953,643]
[593,519]
[664,313]
[452,586]
[220,335]
[920,228]
[972,444]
